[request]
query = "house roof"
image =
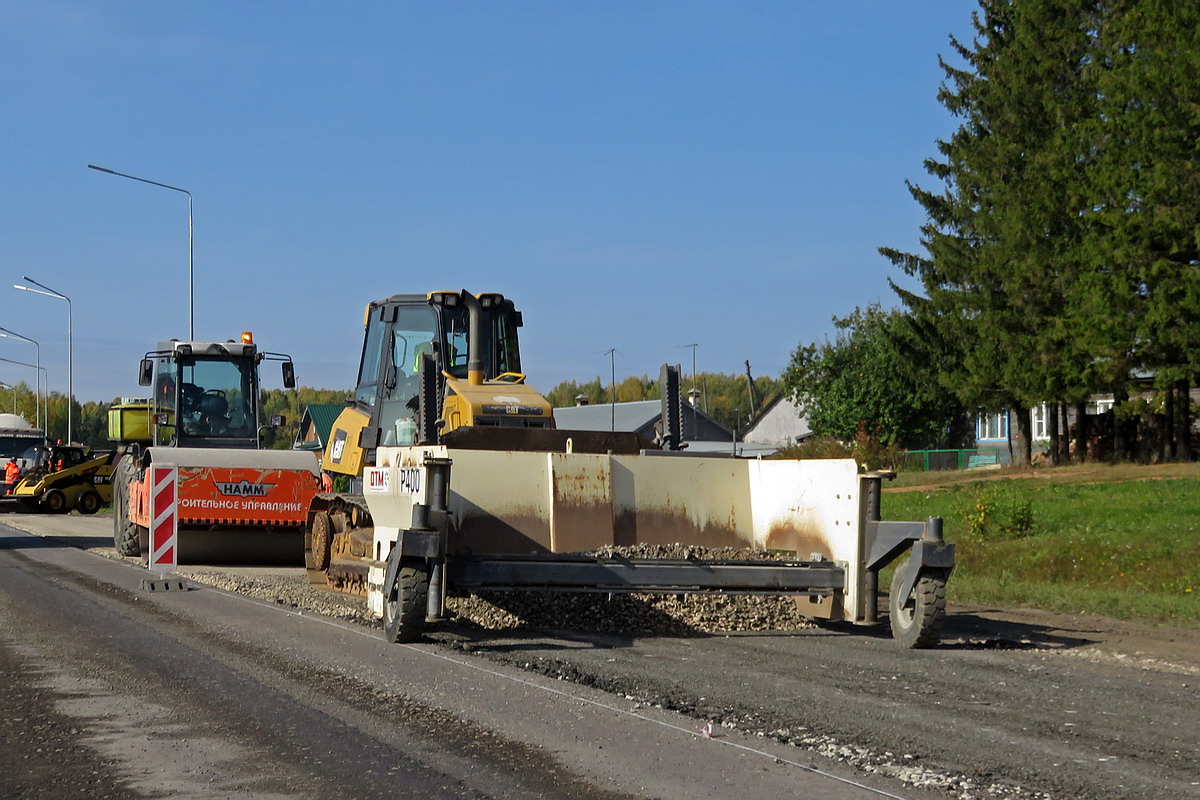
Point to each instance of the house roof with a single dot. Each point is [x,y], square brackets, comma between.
[630,417]
[321,417]
[779,422]
[744,449]
[638,416]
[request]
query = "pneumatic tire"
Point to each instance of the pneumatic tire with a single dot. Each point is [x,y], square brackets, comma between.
[916,620]
[88,502]
[404,601]
[55,502]
[125,533]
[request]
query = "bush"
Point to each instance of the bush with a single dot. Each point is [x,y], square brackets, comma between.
[866,449]
[990,513]
[818,447]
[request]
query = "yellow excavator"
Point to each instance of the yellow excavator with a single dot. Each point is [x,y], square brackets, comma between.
[440,389]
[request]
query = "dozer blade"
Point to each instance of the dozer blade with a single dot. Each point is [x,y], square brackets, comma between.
[547,440]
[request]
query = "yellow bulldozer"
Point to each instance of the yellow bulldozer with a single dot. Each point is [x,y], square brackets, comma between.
[460,481]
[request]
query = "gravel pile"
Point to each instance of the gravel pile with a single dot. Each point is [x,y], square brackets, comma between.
[673,614]
[292,591]
[677,615]
[689,552]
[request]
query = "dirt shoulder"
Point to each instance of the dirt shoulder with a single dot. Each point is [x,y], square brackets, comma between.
[1075,473]
[1095,638]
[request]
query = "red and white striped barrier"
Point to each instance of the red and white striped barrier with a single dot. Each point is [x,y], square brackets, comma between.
[164,519]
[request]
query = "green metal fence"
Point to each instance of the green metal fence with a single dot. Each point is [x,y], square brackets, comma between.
[930,460]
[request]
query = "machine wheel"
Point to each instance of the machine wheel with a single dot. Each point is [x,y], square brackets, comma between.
[88,502]
[917,619]
[320,538]
[404,603]
[55,502]
[125,533]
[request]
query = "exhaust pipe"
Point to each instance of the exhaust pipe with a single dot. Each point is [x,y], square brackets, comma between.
[475,375]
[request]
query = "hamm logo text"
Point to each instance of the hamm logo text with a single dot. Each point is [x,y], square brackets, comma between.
[244,489]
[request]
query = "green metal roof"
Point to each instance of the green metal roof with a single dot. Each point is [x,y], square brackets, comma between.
[322,416]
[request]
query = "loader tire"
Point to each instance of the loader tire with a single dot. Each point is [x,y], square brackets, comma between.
[404,603]
[916,620]
[125,533]
[55,502]
[88,502]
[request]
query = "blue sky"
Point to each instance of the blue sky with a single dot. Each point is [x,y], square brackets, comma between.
[635,175]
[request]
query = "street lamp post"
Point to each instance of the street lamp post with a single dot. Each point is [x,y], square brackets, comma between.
[41,373]
[46,290]
[191,327]
[7,334]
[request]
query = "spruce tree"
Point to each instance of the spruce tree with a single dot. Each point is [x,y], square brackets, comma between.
[1144,221]
[1002,236]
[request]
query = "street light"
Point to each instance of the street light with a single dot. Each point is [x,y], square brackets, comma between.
[7,334]
[46,290]
[191,327]
[41,372]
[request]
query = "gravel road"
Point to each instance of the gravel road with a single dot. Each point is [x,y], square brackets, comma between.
[1014,703]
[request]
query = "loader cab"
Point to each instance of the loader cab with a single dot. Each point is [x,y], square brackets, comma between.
[206,394]
[403,328]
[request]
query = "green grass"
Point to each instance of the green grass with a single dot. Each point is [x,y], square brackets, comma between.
[1128,549]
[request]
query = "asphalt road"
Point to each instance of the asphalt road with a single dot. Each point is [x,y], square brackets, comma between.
[113,691]
[1016,704]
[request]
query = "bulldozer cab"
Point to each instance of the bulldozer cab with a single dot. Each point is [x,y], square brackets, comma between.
[404,328]
[433,364]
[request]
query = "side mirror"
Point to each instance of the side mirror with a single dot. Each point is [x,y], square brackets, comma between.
[146,372]
[278,420]
[289,375]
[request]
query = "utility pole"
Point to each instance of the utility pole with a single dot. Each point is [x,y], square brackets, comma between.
[703,397]
[693,345]
[750,384]
[612,357]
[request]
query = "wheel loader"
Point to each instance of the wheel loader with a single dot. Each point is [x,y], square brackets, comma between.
[441,393]
[66,477]
[237,503]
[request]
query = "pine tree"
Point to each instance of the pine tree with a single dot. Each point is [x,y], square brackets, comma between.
[1144,222]
[1001,238]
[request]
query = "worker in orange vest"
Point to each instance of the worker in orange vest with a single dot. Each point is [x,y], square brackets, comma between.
[12,474]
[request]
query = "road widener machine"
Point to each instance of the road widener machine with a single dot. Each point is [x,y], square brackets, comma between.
[237,503]
[462,483]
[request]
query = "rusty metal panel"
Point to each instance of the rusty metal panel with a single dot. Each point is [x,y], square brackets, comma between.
[581,502]
[700,501]
[500,501]
[812,507]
